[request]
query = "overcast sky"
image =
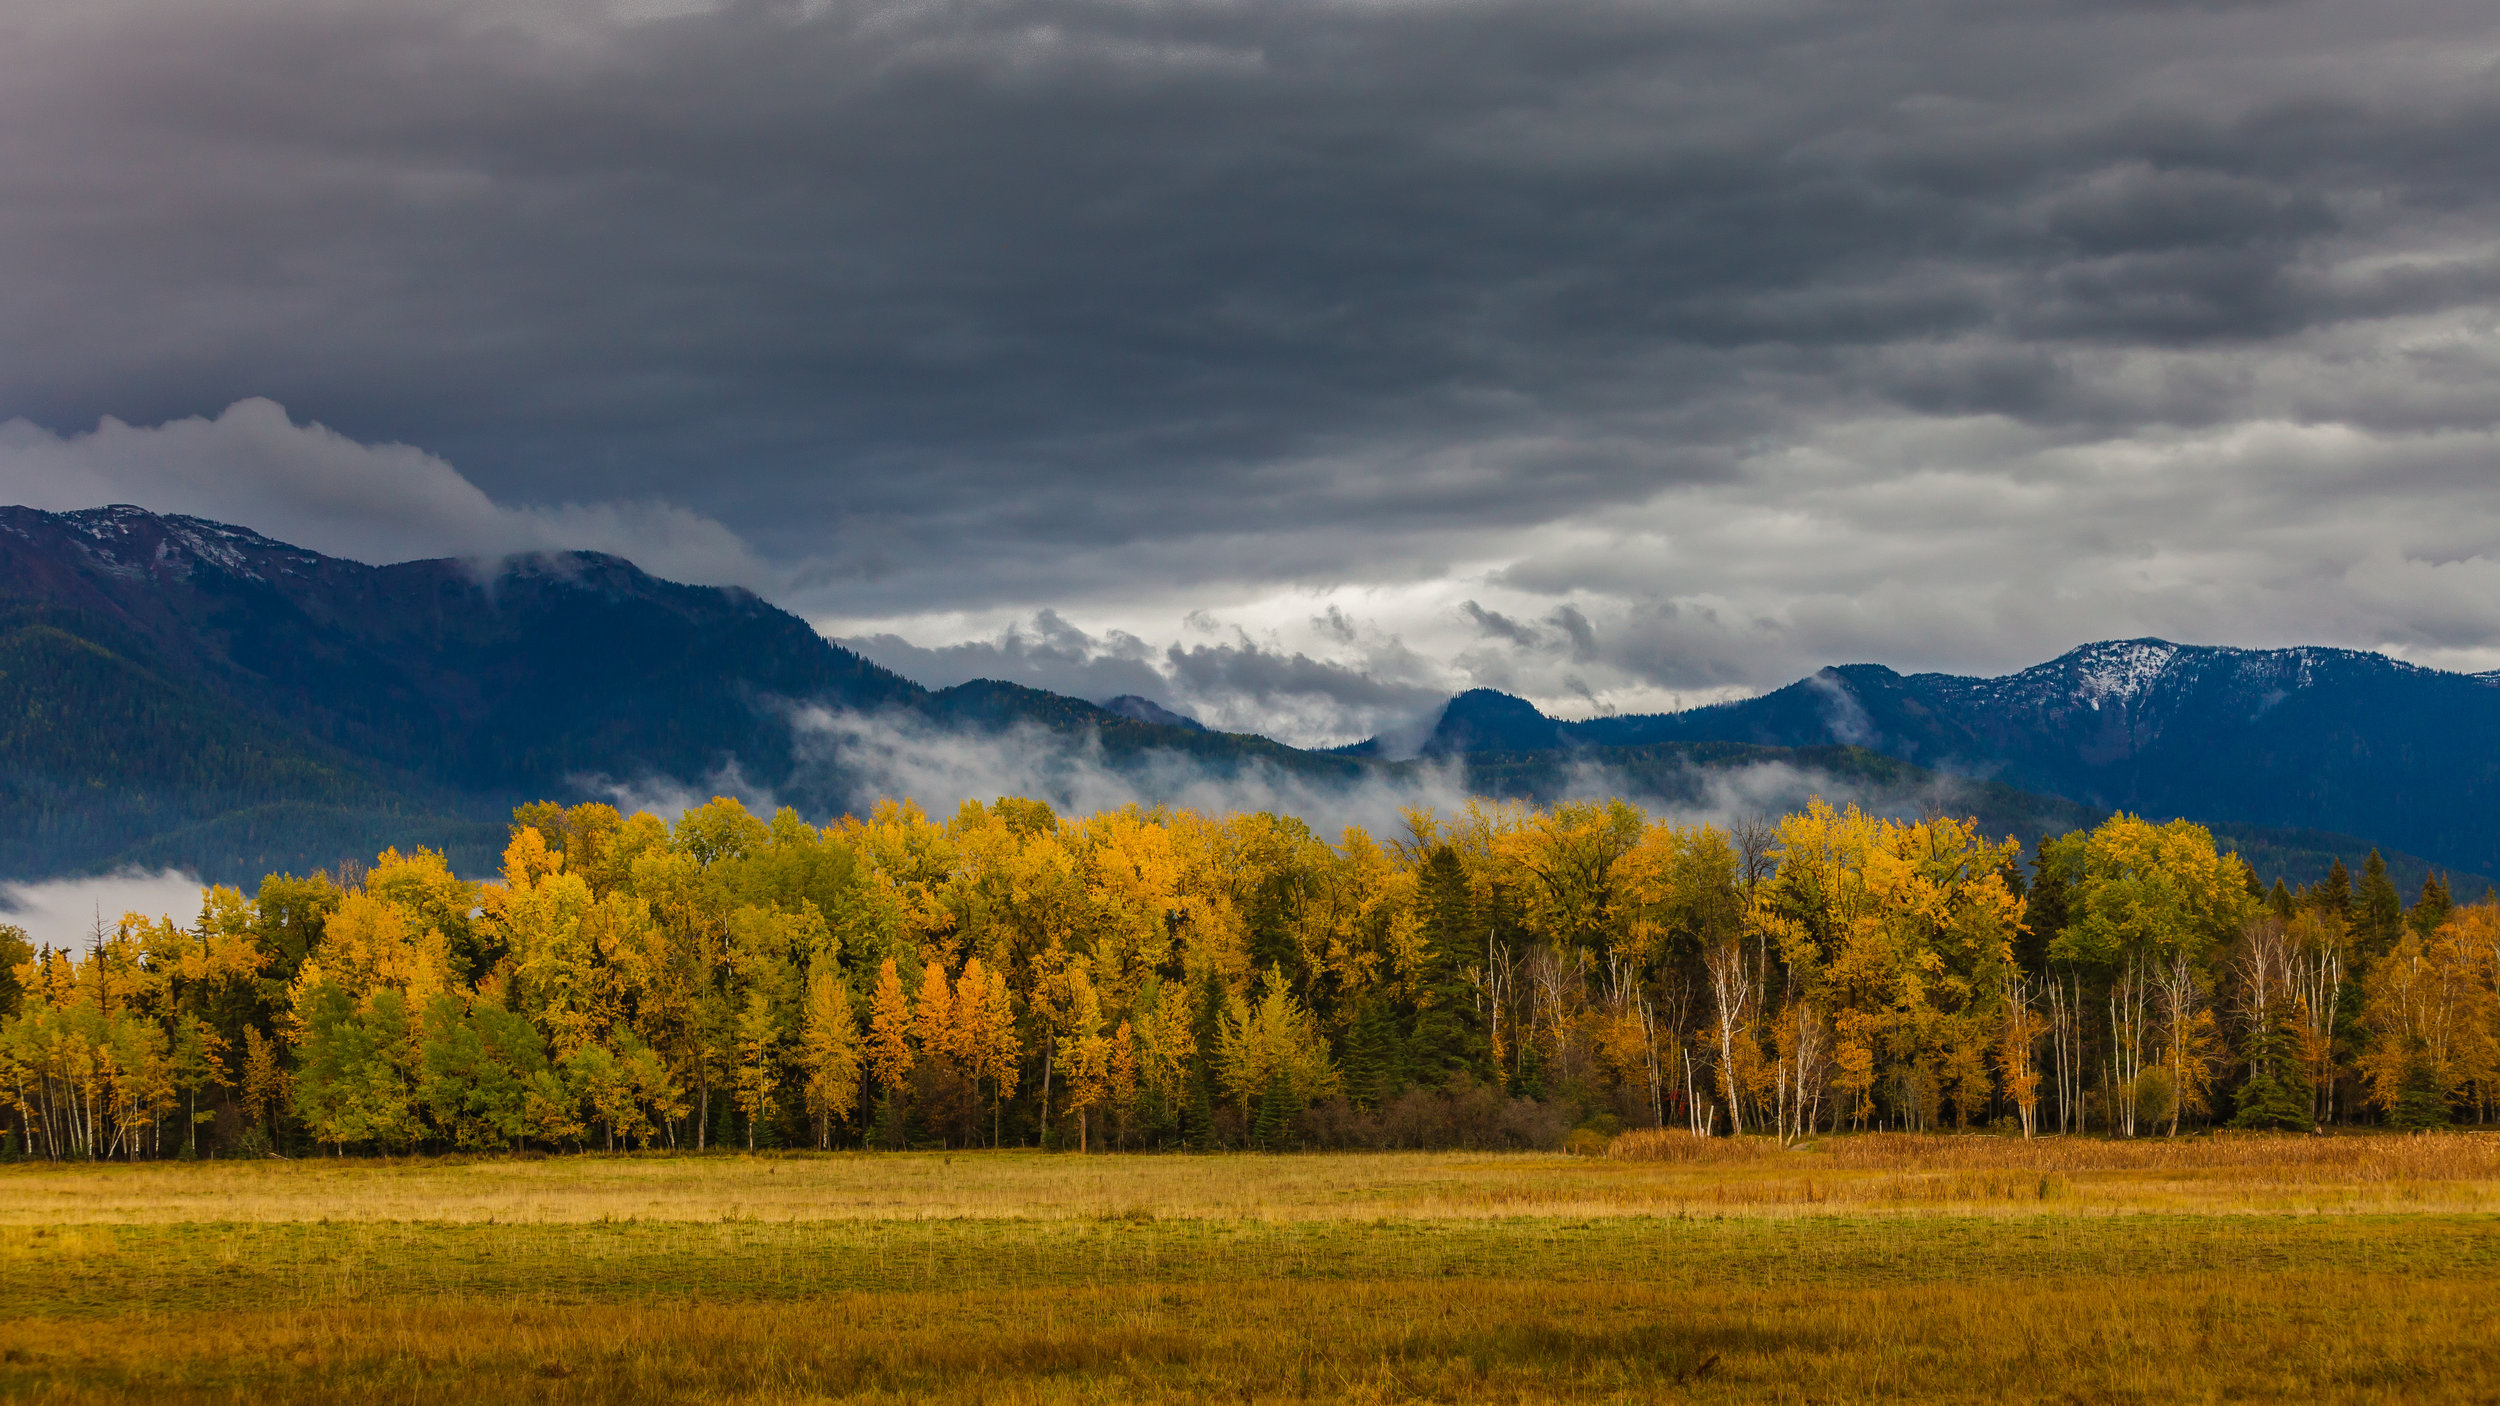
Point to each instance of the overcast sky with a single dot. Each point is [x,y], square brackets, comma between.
[1299,362]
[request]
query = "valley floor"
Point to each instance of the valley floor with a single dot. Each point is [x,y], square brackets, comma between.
[1856,1269]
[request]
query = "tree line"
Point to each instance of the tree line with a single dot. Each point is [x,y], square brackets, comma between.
[1143,979]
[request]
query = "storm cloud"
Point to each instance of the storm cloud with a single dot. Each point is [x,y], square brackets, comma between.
[1307,360]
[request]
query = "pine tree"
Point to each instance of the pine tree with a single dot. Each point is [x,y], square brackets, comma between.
[2046,910]
[2431,910]
[2279,900]
[1208,1034]
[1375,1061]
[2381,906]
[2333,894]
[1198,1123]
[1530,1083]
[1267,1133]
[2278,1094]
[1447,1040]
[2380,918]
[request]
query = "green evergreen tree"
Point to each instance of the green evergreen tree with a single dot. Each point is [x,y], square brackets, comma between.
[1530,1082]
[2431,910]
[2278,1093]
[1447,1039]
[2332,895]
[2045,910]
[1267,1132]
[1375,1056]
[2279,900]
[2381,912]
[1202,1131]
[1198,1126]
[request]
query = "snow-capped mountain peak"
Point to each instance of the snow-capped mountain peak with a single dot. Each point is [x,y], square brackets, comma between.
[2117,672]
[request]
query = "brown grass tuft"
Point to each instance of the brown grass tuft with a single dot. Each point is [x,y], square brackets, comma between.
[1680,1145]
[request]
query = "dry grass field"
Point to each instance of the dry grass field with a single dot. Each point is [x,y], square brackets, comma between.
[1856,1269]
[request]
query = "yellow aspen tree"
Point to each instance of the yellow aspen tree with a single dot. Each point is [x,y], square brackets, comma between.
[889,1036]
[555,973]
[1853,1070]
[1256,1044]
[1121,1077]
[198,1061]
[1085,1054]
[655,1090]
[1963,1069]
[933,1017]
[964,1020]
[934,1038]
[968,1032]
[829,1047]
[759,1060]
[265,1089]
[1167,1041]
[1048,996]
[2429,1014]
[996,1053]
[2018,1042]
[597,1079]
[2475,933]
[1134,875]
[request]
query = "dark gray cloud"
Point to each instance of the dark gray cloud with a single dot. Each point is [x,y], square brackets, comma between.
[1682,347]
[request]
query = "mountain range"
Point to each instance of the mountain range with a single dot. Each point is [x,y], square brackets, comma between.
[182,692]
[2306,739]
[179,692]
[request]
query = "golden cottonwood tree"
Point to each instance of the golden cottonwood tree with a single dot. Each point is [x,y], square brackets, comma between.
[830,1053]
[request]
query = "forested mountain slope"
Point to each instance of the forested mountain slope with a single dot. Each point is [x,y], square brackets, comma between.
[184,691]
[2330,740]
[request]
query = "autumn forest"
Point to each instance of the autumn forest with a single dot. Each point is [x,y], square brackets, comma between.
[1506,977]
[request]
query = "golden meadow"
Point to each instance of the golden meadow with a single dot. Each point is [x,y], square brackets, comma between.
[1844,1268]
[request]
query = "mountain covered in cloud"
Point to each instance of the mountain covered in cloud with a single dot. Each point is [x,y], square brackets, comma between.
[2332,740]
[184,693]
[1146,710]
[187,694]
